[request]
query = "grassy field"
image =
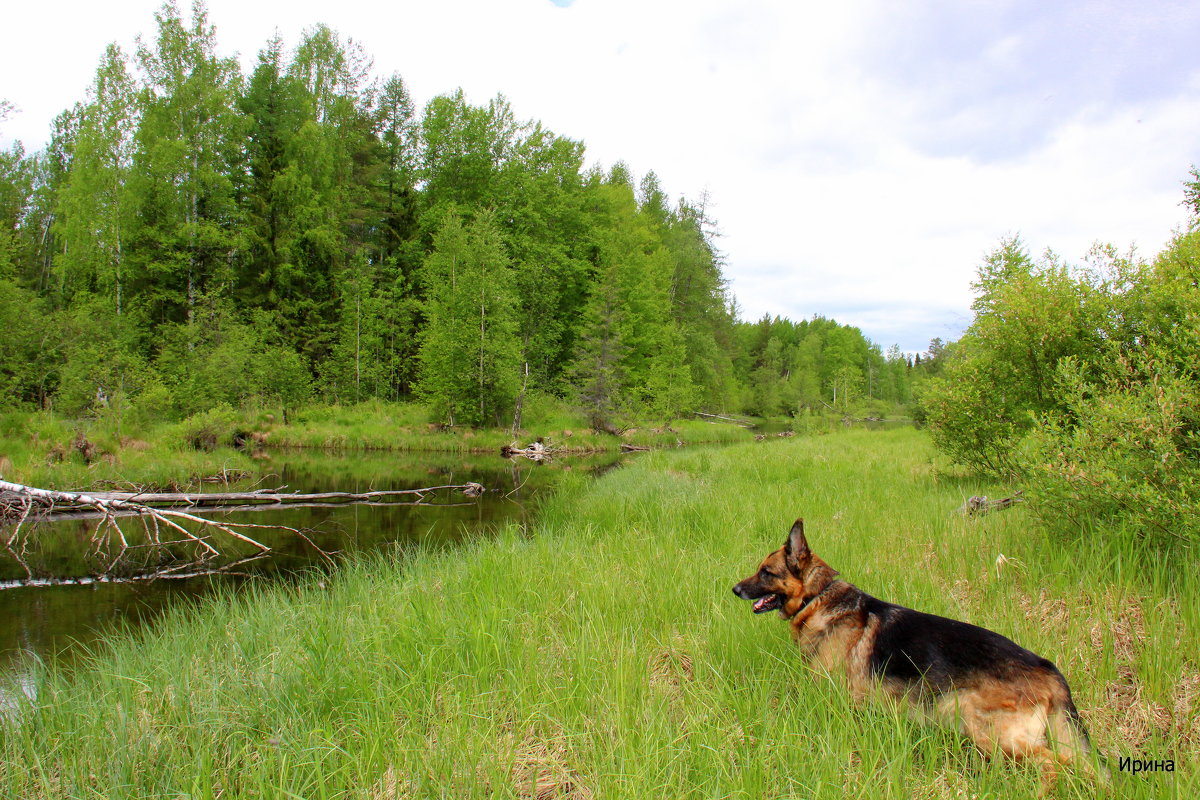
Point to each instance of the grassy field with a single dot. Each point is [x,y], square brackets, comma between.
[602,655]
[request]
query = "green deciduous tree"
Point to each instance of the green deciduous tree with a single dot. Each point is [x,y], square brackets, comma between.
[188,153]
[94,209]
[29,357]
[222,358]
[374,350]
[470,355]
[1122,443]
[16,192]
[1029,315]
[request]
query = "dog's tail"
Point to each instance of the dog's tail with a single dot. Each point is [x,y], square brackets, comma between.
[1071,740]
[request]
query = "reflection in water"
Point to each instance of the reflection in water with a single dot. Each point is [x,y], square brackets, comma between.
[41,622]
[19,682]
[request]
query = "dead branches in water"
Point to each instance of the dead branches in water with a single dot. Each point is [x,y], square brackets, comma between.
[762,437]
[182,571]
[539,450]
[267,497]
[739,421]
[166,526]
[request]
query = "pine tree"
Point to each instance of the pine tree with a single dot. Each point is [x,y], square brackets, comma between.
[398,200]
[597,373]
[273,105]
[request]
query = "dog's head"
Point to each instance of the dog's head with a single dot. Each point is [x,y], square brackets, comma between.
[788,578]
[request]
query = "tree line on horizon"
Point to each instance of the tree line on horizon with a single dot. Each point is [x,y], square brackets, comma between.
[193,235]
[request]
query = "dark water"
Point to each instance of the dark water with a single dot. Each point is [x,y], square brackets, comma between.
[41,622]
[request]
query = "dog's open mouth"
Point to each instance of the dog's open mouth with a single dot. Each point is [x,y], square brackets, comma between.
[769,603]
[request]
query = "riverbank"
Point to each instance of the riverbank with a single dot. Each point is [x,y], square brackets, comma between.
[106,451]
[376,425]
[603,655]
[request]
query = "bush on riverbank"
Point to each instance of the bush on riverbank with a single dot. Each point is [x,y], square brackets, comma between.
[48,450]
[1081,382]
[603,655]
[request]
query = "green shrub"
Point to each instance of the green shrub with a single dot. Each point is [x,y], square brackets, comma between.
[1123,445]
[1085,384]
[1029,315]
[1125,451]
[210,429]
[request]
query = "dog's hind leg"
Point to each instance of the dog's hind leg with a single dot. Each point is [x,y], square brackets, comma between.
[1046,736]
[1000,722]
[1071,740]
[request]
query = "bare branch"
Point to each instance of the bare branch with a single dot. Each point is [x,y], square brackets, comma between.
[163,509]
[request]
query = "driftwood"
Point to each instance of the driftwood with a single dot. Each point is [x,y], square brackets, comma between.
[179,572]
[538,451]
[260,498]
[760,437]
[634,448]
[981,505]
[163,521]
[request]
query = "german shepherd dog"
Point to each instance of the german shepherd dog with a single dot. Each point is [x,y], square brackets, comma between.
[994,691]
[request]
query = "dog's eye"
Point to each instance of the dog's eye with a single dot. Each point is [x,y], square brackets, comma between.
[768,573]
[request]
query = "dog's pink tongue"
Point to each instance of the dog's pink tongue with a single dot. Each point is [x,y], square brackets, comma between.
[760,602]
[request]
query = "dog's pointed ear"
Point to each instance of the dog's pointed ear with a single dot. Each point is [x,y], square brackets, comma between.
[796,546]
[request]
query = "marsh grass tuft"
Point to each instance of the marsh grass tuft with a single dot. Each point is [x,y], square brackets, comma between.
[604,656]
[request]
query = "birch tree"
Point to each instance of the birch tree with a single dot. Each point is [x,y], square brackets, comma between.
[189,150]
[93,209]
[469,357]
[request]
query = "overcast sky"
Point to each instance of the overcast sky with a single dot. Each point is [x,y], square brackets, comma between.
[861,157]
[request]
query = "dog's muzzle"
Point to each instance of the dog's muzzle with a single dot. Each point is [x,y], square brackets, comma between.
[762,604]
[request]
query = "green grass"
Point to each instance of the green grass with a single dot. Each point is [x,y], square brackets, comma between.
[53,452]
[603,655]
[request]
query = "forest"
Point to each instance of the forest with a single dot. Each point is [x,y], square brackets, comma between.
[193,236]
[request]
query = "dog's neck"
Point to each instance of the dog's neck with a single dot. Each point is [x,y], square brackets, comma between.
[821,577]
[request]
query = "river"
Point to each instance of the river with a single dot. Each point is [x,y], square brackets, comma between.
[61,621]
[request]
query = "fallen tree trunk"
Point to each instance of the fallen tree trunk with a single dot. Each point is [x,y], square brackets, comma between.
[981,505]
[179,572]
[159,513]
[538,451]
[85,513]
[742,423]
[259,497]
